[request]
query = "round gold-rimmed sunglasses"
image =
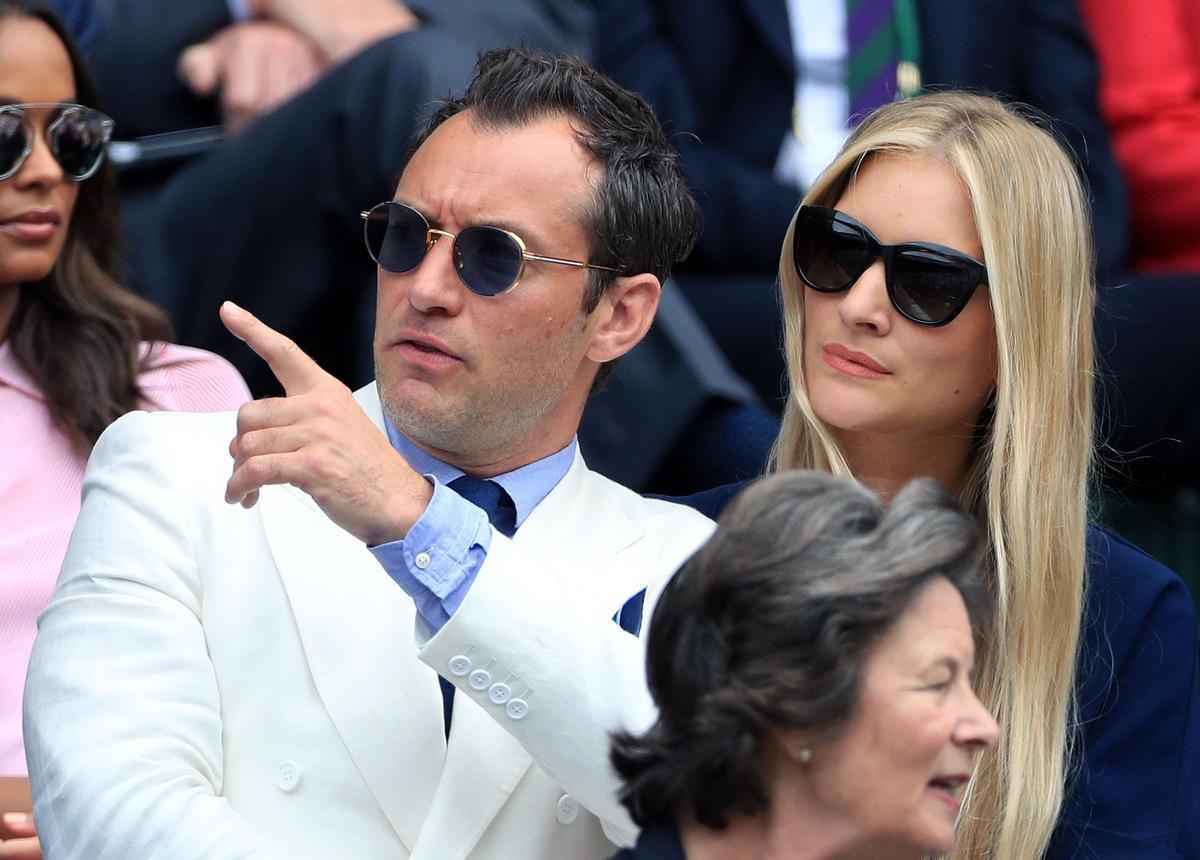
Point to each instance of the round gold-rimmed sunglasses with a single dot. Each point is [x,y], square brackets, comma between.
[489,260]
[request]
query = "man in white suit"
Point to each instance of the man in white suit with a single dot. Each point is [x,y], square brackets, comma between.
[357,661]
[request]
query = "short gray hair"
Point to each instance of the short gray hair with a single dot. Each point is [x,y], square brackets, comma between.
[770,623]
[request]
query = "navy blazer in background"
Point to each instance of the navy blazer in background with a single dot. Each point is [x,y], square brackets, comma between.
[723,70]
[1135,792]
[80,18]
[654,843]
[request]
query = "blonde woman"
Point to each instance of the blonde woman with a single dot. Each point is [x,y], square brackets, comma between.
[937,295]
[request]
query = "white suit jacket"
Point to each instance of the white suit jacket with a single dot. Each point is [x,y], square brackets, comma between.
[210,681]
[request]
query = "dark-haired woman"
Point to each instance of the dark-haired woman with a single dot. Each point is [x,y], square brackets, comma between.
[76,350]
[812,668]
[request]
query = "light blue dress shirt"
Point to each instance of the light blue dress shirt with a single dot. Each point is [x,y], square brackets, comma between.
[438,560]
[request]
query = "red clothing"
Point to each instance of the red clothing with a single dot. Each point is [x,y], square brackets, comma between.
[1149,52]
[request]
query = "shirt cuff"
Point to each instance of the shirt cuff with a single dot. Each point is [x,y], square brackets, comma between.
[438,560]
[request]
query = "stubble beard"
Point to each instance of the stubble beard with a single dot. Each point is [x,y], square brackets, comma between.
[481,428]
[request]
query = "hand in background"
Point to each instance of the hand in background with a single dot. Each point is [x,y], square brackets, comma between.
[338,28]
[256,65]
[18,837]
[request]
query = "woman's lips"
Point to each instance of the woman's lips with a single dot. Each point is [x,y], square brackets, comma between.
[853,363]
[945,789]
[36,225]
[946,797]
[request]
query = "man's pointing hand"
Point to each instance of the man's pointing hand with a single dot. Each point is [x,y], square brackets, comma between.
[318,438]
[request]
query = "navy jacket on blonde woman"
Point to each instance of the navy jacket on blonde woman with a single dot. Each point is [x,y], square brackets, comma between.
[1135,789]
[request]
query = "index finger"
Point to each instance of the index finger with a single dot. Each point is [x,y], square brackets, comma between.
[292,367]
[198,68]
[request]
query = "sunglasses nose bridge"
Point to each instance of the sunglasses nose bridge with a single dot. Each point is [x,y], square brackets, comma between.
[867,302]
[40,162]
[432,234]
[888,255]
[429,287]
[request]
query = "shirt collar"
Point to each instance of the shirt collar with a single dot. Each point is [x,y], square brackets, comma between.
[14,375]
[526,486]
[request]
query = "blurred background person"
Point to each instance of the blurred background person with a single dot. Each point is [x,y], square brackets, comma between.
[76,349]
[937,288]
[1149,55]
[812,667]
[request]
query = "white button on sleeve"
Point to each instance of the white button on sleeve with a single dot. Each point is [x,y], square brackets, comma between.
[479,679]
[516,709]
[287,777]
[567,809]
[421,560]
[460,665]
[499,693]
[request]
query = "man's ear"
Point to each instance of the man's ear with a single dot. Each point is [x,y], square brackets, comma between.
[623,316]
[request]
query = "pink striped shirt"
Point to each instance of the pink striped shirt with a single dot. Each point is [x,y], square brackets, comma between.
[40,480]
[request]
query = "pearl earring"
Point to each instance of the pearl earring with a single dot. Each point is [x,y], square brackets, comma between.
[804,754]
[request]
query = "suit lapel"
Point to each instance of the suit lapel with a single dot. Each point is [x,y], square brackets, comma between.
[582,507]
[356,627]
[484,765]
[606,554]
[357,630]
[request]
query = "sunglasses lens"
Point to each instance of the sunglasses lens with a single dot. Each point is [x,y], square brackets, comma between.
[12,140]
[488,260]
[829,254]
[397,236]
[77,140]
[930,288]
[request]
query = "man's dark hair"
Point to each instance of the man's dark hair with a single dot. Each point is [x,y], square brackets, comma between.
[642,217]
[770,624]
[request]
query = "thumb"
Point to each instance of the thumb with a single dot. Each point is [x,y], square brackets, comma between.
[18,825]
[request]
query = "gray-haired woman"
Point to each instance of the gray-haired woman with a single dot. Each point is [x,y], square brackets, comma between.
[812,667]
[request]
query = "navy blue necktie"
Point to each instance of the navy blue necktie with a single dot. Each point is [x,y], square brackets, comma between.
[493,500]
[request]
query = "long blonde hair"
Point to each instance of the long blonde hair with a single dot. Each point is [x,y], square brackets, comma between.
[1027,484]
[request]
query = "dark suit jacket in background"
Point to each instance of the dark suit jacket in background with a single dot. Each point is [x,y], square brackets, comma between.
[81,18]
[654,843]
[723,70]
[140,41]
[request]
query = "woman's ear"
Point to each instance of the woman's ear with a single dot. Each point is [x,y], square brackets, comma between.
[796,744]
[623,316]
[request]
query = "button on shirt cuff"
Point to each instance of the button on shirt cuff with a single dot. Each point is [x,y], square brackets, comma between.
[440,557]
